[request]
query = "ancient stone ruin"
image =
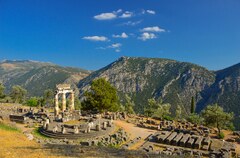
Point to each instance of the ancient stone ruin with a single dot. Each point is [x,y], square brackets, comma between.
[63,89]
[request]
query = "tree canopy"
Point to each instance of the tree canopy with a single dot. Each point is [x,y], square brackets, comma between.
[157,109]
[215,116]
[151,107]
[77,103]
[193,106]
[178,112]
[2,88]
[101,96]
[129,105]
[18,94]
[33,102]
[195,118]
[48,96]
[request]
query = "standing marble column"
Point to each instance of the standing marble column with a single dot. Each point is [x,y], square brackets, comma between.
[56,110]
[63,101]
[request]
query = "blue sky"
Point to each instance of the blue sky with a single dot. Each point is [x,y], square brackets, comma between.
[91,34]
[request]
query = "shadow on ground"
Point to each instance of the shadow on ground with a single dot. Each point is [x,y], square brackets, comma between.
[71,151]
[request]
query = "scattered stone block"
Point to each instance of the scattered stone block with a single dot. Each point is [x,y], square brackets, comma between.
[170,137]
[177,139]
[184,139]
[198,142]
[162,136]
[190,141]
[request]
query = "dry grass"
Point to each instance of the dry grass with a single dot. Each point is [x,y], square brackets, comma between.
[14,144]
[75,122]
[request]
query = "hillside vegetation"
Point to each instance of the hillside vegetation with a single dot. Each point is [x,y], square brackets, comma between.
[36,77]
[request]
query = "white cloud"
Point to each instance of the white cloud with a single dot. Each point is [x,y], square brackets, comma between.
[96,38]
[105,16]
[126,14]
[151,12]
[123,35]
[118,11]
[115,45]
[117,50]
[153,29]
[132,23]
[146,36]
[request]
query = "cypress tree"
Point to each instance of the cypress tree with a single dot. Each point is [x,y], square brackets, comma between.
[192,105]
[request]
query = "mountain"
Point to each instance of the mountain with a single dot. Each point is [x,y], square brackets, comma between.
[141,78]
[225,91]
[37,76]
[144,78]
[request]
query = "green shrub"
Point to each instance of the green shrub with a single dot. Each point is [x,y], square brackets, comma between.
[169,118]
[195,118]
[221,135]
[33,102]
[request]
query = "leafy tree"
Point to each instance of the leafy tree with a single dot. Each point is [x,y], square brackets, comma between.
[121,108]
[215,116]
[193,106]
[152,106]
[157,109]
[163,111]
[2,88]
[33,102]
[6,99]
[102,96]
[48,96]
[129,105]
[195,118]
[178,112]
[77,103]
[41,101]
[18,94]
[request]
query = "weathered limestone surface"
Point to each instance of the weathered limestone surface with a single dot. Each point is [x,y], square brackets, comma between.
[198,142]
[171,137]
[190,141]
[216,145]
[177,139]
[162,136]
[184,139]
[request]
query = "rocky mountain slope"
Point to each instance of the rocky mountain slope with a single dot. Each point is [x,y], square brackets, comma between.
[172,81]
[37,76]
[225,91]
[141,78]
[144,78]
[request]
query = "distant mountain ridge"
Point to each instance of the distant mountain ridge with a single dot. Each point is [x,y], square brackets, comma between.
[141,78]
[37,76]
[173,81]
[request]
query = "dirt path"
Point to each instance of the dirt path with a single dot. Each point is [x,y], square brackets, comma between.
[134,132]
